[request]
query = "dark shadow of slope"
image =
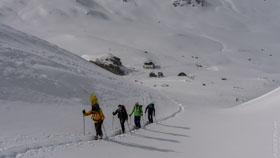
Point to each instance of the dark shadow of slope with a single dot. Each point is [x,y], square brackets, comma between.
[133,145]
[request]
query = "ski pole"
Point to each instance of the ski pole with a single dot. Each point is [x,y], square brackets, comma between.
[156,119]
[104,131]
[113,122]
[128,126]
[84,127]
[145,117]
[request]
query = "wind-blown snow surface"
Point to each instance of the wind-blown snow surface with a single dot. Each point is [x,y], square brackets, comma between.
[237,40]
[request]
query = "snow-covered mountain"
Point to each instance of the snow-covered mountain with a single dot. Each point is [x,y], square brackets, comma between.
[233,39]
[229,50]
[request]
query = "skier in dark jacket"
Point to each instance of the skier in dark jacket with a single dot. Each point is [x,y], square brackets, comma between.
[151,112]
[122,115]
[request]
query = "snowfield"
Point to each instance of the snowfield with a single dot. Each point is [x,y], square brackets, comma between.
[226,106]
[42,84]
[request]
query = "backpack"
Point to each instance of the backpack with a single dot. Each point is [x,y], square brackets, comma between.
[96,115]
[95,108]
[124,113]
[140,109]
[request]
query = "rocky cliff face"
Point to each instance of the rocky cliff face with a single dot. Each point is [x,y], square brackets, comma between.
[110,63]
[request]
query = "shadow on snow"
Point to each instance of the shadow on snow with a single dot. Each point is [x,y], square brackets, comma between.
[172,126]
[159,139]
[173,134]
[139,146]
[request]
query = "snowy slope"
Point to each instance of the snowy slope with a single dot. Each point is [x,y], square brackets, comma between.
[229,49]
[37,71]
[248,130]
[44,89]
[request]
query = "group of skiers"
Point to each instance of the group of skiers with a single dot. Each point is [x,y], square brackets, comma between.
[98,116]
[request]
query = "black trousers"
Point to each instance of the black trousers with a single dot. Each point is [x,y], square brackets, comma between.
[150,117]
[122,121]
[98,128]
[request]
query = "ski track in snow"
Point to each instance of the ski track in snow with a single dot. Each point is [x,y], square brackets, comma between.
[13,152]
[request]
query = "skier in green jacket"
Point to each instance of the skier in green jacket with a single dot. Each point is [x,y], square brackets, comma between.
[138,112]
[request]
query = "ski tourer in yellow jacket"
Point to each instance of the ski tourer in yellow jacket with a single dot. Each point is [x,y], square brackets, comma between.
[97,114]
[96,111]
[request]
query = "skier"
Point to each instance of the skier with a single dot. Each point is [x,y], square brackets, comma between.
[151,112]
[97,116]
[138,112]
[122,115]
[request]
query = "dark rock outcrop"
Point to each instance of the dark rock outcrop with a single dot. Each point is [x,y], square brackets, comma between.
[182,74]
[152,74]
[182,3]
[110,63]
